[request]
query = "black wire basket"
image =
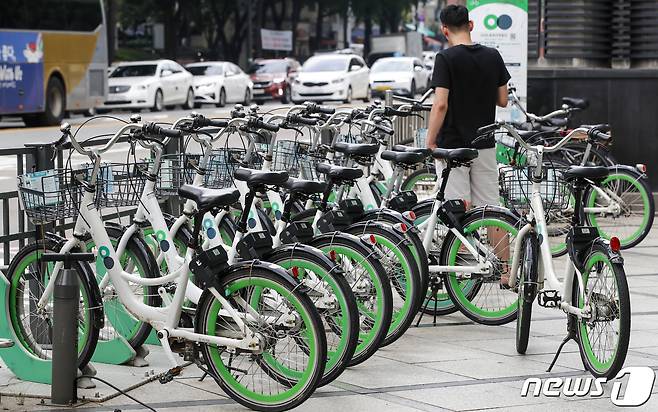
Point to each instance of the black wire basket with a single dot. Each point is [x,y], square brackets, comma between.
[516,188]
[50,195]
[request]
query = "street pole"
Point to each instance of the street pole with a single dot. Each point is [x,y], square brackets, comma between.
[249,32]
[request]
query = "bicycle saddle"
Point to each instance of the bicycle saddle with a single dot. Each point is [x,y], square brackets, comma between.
[406,158]
[255,178]
[339,172]
[402,148]
[306,187]
[596,173]
[575,102]
[357,149]
[463,155]
[207,199]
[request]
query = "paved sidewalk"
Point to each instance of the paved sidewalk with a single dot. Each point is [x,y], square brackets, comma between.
[457,365]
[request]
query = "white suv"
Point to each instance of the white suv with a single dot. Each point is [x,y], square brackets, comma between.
[332,77]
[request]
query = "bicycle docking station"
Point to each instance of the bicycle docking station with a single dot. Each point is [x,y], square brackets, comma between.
[65,327]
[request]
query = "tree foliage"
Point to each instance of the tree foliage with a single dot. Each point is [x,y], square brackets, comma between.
[223,23]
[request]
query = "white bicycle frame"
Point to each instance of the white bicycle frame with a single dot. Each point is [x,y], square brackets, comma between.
[163,319]
[547,279]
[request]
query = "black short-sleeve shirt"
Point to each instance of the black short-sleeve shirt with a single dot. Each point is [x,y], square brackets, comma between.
[473,74]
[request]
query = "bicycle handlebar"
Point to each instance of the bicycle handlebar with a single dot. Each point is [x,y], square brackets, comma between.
[512,132]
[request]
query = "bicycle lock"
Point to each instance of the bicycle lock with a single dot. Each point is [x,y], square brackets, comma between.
[65,327]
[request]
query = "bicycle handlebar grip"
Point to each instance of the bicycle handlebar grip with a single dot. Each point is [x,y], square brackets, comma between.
[389,111]
[155,130]
[599,132]
[201,121]
[325,109]
[259,124]
[303,120]
[487,129]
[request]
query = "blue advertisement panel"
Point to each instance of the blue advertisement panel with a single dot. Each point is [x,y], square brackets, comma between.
[21,72]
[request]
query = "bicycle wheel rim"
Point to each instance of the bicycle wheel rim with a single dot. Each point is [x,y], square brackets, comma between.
[22,333]
[586,339]
[402,283]
[371,337]
[599,222]
[467,304]
[335,348]
[285,393]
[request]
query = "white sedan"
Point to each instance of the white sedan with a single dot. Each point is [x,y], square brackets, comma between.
[219,83]
[403,75]
[332,77]
[149,84]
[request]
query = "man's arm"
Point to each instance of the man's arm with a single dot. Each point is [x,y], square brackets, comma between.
[503,96]
[437,115]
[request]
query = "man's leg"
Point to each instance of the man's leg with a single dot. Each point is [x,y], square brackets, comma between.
[458,186]
[484,190]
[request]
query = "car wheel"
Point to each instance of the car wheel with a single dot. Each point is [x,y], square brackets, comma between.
[189,102]
[158,101]
[348,96]
[222,98]
[247,97]
[412,90]
[368,95]
[287,95]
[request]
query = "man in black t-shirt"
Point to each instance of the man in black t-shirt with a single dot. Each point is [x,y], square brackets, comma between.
[469,81]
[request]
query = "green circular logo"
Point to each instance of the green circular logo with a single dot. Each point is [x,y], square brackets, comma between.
[160,235]
[104,251]
[491,22]
[503,22]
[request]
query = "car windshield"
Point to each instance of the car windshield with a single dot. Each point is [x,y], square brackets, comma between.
[268,67]
[325,65]
[136,70]
[384,66]
[205,70]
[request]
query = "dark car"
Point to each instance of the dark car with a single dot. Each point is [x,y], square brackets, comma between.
[272,79]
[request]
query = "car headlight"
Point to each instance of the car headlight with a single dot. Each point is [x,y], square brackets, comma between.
[205,85]
[338,80]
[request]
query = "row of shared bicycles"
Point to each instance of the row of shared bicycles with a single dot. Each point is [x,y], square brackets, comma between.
[303,241]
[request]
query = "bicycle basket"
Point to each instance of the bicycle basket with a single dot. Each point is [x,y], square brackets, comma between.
[298,159]
[175,171]
[50,195]
[120,184]
[516,188]
[223,162]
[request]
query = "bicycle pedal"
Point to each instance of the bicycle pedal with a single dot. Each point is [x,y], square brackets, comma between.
[170,375]
[549,298]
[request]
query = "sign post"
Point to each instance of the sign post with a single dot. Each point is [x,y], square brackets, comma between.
[503,24]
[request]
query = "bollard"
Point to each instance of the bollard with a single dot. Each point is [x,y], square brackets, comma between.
[388,98]
[65,328]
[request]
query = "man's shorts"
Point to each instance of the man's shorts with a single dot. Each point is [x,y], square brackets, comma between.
[477,184]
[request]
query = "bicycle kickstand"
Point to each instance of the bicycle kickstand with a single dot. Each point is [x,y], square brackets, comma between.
[571,335]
